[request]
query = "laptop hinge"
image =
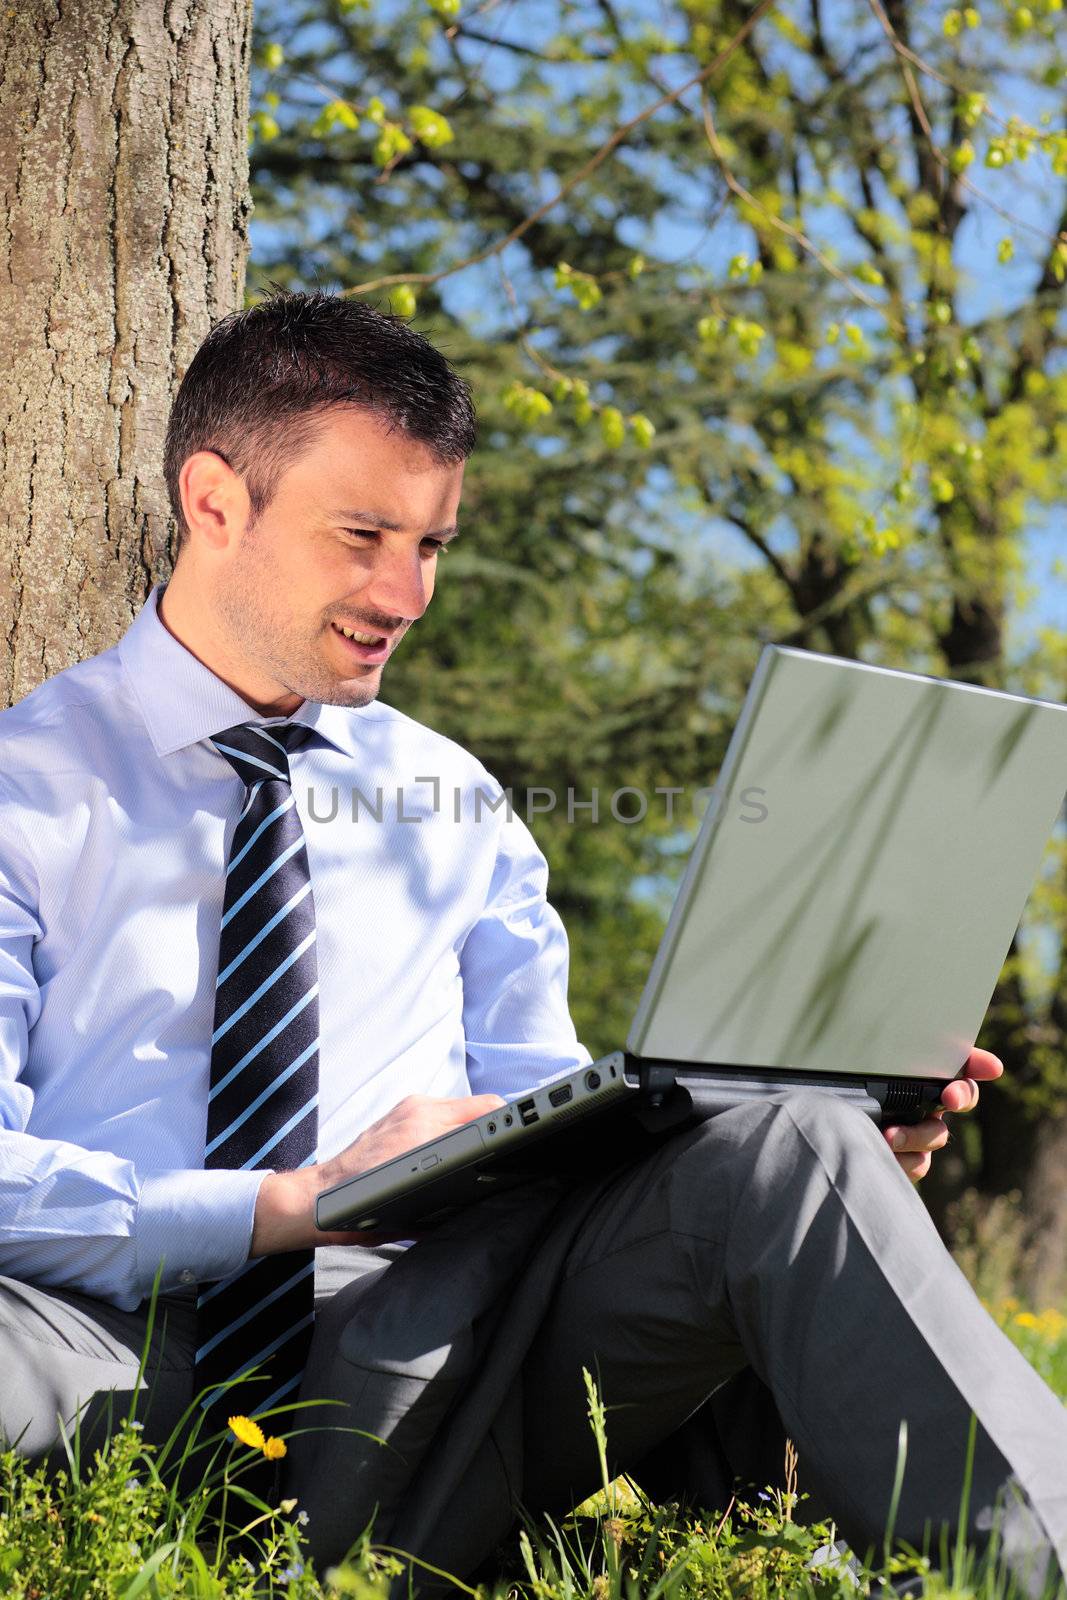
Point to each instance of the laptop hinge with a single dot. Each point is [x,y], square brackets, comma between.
[657,1078]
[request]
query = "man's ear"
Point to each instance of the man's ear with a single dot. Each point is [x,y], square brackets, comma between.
[214,500]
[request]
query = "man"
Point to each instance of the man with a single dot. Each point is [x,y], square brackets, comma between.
[221,994]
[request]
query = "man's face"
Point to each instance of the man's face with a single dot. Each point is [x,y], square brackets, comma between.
[349,542]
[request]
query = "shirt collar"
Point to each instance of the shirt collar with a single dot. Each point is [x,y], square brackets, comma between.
[184,702]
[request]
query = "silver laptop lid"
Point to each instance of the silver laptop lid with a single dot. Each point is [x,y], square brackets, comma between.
[859,874]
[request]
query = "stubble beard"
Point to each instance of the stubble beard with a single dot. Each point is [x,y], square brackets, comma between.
[298,664]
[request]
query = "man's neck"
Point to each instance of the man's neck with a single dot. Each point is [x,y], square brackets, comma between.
[187,619]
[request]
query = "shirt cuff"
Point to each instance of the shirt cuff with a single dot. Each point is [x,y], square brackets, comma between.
[199,1223]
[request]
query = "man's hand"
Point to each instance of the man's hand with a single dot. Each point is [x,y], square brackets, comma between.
[913,1145]
[285,1205]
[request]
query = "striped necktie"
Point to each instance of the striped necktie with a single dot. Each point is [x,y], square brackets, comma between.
[263,1104]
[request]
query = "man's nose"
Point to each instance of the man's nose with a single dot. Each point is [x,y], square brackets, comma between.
[399,585]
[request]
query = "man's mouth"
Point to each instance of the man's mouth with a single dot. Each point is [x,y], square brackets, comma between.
[367,647]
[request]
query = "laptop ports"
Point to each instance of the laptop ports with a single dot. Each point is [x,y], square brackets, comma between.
[560,1096]
[593,1080]
[526,1111]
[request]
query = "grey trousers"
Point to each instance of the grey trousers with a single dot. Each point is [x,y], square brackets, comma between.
[771,1273]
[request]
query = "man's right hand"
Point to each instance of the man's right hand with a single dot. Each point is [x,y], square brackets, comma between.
[285,1206]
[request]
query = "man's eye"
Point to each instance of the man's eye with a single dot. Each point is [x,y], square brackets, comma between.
[436,547]
[362,533]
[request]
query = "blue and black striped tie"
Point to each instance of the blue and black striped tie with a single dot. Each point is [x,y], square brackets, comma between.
[263,1105]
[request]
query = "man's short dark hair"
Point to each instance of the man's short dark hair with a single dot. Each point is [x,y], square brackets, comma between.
[258,386]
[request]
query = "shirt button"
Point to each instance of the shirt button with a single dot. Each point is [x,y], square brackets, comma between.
[187,1275]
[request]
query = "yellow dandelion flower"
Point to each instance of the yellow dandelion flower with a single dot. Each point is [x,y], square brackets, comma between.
[274,1449]
[247,1431]
[1026,1319]
[1009,1303]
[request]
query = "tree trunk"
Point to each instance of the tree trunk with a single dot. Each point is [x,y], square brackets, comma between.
[1043,1269]
[1022,1149]
[125,205]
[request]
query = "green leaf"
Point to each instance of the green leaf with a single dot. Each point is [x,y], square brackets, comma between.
[529,405]
[261,125]
[430,127]
[149,1570]
[612,427]
[391,142]
[749,335]
[583,285]
[332,113]
[971,109]
[402,300]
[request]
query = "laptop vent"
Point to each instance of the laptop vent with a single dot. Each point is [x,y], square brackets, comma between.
[574,1111]
[571,1114]
[900,1096]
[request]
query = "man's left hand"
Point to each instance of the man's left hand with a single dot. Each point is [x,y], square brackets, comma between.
[913,1146]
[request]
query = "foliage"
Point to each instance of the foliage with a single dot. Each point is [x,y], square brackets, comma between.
[779,357]
[118,1529]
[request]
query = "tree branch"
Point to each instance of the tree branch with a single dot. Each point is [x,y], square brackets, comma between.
[595,160]
[795,234]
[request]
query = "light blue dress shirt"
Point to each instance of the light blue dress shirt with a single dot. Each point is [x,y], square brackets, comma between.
[442,968]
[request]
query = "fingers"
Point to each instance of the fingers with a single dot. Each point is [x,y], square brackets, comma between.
[920,1137]
[445,1110]
[982,1064]
[912,1146]
[961,1094]
[466,1110]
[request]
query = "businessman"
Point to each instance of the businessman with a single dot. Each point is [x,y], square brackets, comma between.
[222,991]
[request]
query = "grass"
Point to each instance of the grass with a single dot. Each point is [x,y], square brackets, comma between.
[116,1528]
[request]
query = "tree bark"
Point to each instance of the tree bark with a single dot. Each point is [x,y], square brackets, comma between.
[124,210]
[1022,1149]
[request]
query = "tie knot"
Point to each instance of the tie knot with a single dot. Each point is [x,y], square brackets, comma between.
[258,754]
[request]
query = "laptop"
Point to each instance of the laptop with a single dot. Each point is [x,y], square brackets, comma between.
[853,891]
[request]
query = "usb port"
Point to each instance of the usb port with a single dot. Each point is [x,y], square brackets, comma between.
[526,1111]
[560,1096]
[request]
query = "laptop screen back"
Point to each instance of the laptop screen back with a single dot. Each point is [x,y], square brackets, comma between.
[859,875]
